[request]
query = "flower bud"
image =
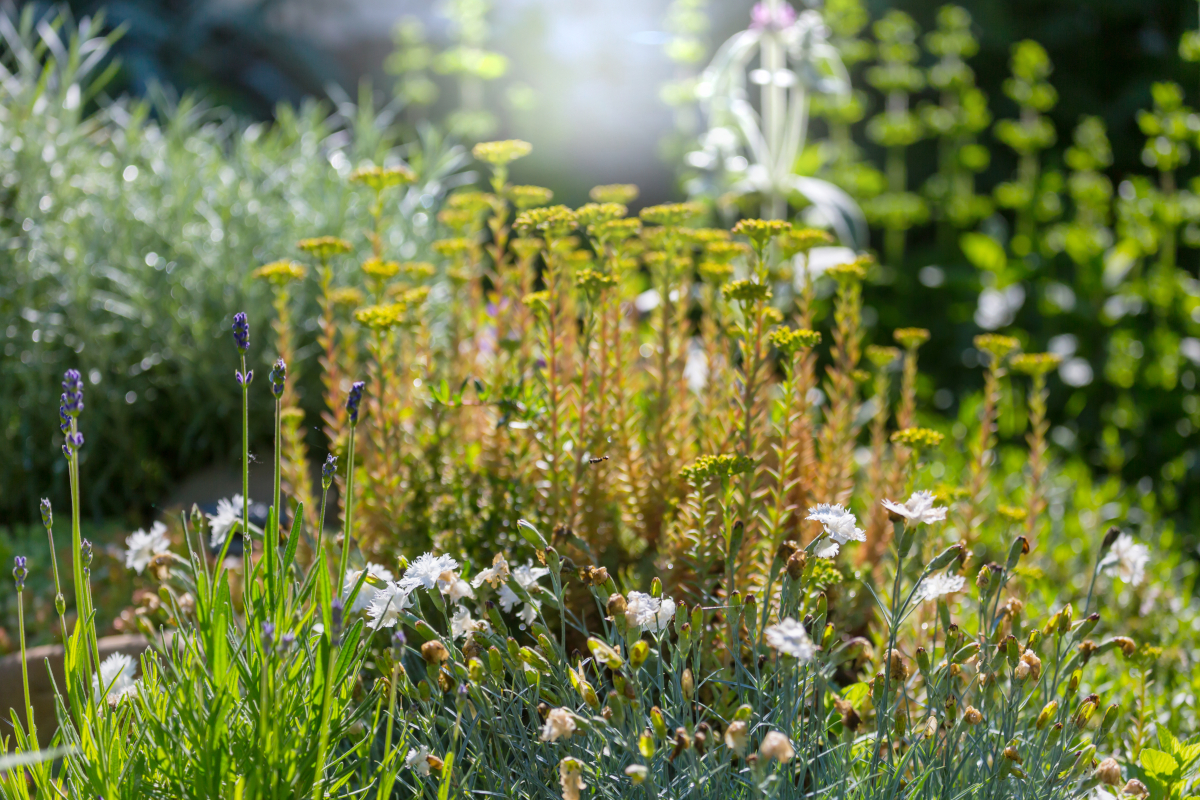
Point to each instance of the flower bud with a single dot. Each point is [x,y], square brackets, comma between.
[658,722]
[637,773]
[687,683]
[898,666]
[786,550]
[735,737]
[60,604]
[1110,716]
[616,606]
[1135,788]
[1108,772]
[1055,734]
[1019,548]
[646,745]
[47,513]
[1048,712]
[1110,536]
[795,565]
[434,652]
[1011,754]
[923,659]
[971,716]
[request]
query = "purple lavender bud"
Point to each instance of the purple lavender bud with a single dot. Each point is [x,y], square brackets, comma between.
[327,470]
[47,513]
[353,400]
[72,397]
[244,379]
[277,377]
[241,332]
[85,548]
[19,572]
[268,635]
[75,440]
[398,640]
[64,419]
[286,641]
[336,612]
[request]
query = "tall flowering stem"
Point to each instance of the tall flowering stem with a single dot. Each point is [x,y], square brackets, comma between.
[241,339]
[20,572]
[982,456]
[1036,365]
[70,407]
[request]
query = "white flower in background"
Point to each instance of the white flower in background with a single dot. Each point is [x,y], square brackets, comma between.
[526,577]
[116,678]
[648,613]
[143,546]
[1127,560]
[418,760]
[385,608]
[841,526]
[919,508]
[695,371]
[430,572]
[940,585]
[570,778]
[496,575]
[459,590]
[228,518]
[790,638]
[560,723]
[462,623]
[366,595]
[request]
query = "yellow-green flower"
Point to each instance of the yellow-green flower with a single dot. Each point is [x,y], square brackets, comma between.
[382,317]
[471,201]
[524,197]
[1036,364]
[346,296]
[502,152]
[761,231]
[538,302]
[417,270]
[280,272]
[917,438]
[457,219]
[715,272]
[882,356]
[526,248]
[452,247]
[746,292]
[324,247]
[672,214]
[379,269]
[706,467]
[724,252]
[995,345]
[852,272]
[705,236]
[793,340]
[592,282]
[623,193]
[801,240]
[616,230]
[911,338]
[598,213]
[553,221]
[380,178]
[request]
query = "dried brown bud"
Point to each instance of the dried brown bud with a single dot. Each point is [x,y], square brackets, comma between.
[598,575]
[899,667]
[1127,645]
[795,564]
[434,652]
[1135,788]
[972,716]
[616,606]
[1011,754]
[1109,771]
[786,549]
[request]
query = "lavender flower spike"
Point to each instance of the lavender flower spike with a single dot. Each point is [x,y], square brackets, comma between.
[241,332]
[327,470]
[353,401]
[47,513]
[72,397]
[277,377]
[19,572]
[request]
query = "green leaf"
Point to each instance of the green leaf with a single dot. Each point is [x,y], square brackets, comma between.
[447,768]
[1161,764]
[983,251]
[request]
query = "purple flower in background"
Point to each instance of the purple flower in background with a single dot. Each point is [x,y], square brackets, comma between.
[353,400]
[778,18]
[241,332]
[277,377]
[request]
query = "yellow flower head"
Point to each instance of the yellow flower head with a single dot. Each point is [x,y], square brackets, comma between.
[280,272]
[882,356]
[382,317]
[623,193]
[380,178]
[616,230]
[598,213]
[911,338]
[592,282]
[324,247]
[761,231]
[526,248]
[538,302]
[501,153]
[793,340]
[705,236]
[524,197]
[346,296]
[672,214]
[724,252]
[746,292]
[706,467]
[917,438]
[450,248]
[471,201]
[1011,513]
[553,222]
[379,269]
[801,240]
[715,272]
[995,345]
[852,272]
[1036,364]
[457,219]
[417,270]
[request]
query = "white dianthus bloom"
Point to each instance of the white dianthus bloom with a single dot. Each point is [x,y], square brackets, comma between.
[1127,560]
[366,595]
[418,760]
[143,546]
[840,524]
[458,590]
[430,572]
[385,608]
[526,577]
[228,518]
[116,678]
[919,508]
[650,613]
[560,723]
[462,623]
[940,585]
[497,574]
[790,638]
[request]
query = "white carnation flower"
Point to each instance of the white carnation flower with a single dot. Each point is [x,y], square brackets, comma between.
[418,760]
[789,637]
[366,595]
[526,577]
[648,613]
[143,546]
[496,575]
[919,508]
[1127,560]
[429,572]
[228,518]
[461,623]
[560,724]
[385,608]
[115,680]
[940,585]
[840,524]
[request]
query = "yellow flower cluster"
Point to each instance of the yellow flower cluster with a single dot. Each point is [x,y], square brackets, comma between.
[793,340]
[911,338]
[324,247]
[917,438]
[502,152]
[380,178]
[280,272]
[623,193]
[1036,364]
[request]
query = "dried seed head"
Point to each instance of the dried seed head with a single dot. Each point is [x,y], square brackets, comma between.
[735,737]
[434,652]
[1011,754]
[898,665]
[971,716]
[796,563]
[616,606]
[775,746]
[1127,645]
[1135,788]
